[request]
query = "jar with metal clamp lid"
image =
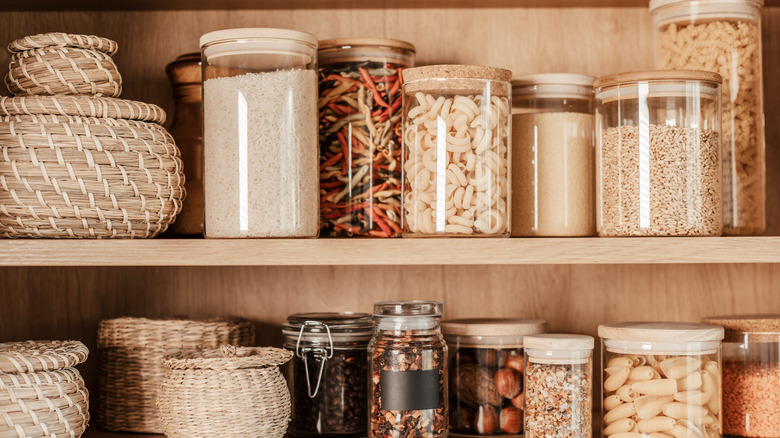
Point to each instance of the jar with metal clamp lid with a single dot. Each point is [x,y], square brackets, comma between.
[328,376]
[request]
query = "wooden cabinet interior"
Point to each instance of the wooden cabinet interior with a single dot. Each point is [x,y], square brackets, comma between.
[65,302]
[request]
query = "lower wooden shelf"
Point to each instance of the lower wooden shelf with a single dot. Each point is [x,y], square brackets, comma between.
[94,432]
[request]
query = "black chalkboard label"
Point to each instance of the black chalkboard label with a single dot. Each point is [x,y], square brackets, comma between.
[410,390]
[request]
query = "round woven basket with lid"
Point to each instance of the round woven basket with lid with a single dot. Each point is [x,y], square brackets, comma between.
[41,394]
[229,392]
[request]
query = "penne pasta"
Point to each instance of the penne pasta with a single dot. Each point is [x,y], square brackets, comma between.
[650,406]
[612,401]
[625,410]
[642,373]
[626,394]
[616,379]
[656,387]
[657,424]
[684,411]
[620,426]
[621,362]
[690,382]
[694,397]
[679,367]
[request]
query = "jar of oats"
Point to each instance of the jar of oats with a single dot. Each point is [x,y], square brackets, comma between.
[724,36]
[658,156]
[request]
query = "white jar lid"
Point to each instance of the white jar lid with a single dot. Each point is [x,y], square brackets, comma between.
[554,79]
[559,342]
[257,32]
[674,332]
[655,4]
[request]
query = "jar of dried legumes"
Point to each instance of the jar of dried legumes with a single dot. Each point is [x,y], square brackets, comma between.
[724,36]
[360,136]
[457,162]
[658,154]
[328,377]
[553,155]
[661,378]
[558,386]
[260,156]
[407,371]
[751,375]
[486,374]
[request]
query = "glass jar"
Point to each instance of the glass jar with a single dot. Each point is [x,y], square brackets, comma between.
[408,371]
[328,376]
[724,36]
[261,177]
[553,156]
[486,374]
[661,377]
[457,160]
[360,136]
[751,375]
[558,386]
[187,129]
[658,165]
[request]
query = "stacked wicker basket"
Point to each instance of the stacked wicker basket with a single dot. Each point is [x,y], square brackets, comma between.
[41,394]
[76,161]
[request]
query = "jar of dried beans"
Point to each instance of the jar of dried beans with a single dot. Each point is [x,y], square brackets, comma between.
[486,374]
[724,36]
[661,378]
[658,165]
[457,163]
[260,171]
[360,135]
[408,371]
[751,375]
[553,155]
[328,375]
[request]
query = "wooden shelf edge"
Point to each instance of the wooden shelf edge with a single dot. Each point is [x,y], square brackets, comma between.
[444,251]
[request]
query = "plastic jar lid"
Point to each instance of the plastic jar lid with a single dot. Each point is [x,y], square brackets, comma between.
[758,328]
[553,85]
[673,11]
[657,75]
[661,337]
[559,348]
[320,328]
[491,332]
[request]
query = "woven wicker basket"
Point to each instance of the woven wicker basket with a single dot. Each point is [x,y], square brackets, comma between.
[41,394]
[60,63]
[131,369]
[84,167]
[228,393]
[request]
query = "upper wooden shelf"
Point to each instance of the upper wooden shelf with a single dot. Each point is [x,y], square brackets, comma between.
[485,251]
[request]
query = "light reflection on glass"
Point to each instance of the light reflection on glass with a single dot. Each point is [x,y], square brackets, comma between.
[644,156]
[243,163]
[441,173]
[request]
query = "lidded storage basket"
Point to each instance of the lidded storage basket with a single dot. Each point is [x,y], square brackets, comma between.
[41,394]
[229,392]
[131,369]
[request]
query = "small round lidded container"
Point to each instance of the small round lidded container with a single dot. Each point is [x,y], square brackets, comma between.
[559,386]
[658,154]
[457,158]
[486,374]
[661,377]
[751,374]
[553,155]
[328,376]
[260,155]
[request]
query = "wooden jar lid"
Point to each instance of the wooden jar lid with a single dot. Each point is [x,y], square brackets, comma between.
[553,79]
[758,327]
[185,70]
[448,71]
[35,356]
[677,332]
[658,75]
[373,42]
[493,327]
[559,342]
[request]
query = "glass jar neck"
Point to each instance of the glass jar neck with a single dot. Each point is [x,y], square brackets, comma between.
[402,323]
[396,56]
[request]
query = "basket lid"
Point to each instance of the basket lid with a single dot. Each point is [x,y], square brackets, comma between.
[371,42]
[493,327]
[675,332]
[658,75]
[83,106]
[33,356]
[62,39]
[759,327]
[559,342]
[173,333]
[228,357]
[453,71]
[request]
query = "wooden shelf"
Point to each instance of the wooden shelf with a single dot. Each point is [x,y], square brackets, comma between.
[94,432]
[291,252]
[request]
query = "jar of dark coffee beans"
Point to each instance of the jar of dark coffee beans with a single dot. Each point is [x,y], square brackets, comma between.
[328,376]
[486,374]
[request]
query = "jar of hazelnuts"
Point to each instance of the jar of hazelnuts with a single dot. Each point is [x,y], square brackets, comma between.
[486,374]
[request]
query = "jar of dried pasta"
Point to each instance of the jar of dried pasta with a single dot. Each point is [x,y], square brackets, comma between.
[661,377]
[360,136]
[456,137]
[724,36]
[658,166]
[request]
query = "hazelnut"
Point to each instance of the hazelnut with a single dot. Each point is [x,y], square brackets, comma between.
[511,420]
[519,401]
[509,382]
[486,421]
[515,362]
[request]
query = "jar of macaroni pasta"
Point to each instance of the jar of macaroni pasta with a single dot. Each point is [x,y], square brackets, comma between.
[486,374]
[558,386]
[360,135]
[457,161]
[751,375]
[724,36]
[407,371]
[260,166]
[553,155]
[661,377]
[658,154]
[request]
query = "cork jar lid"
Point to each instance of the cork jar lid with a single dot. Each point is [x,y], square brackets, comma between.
[658,75]
[676,332]
[35,356]
[493,327]
[452,71]
[758,327]
[185,70]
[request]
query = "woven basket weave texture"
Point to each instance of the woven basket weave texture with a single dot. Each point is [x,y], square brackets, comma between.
[131,370]
[41,394]
[230,392]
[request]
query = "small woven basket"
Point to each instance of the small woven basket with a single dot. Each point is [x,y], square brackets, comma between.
[229,393]
[60,63]
[41,394]
[131,369]
[86,167]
